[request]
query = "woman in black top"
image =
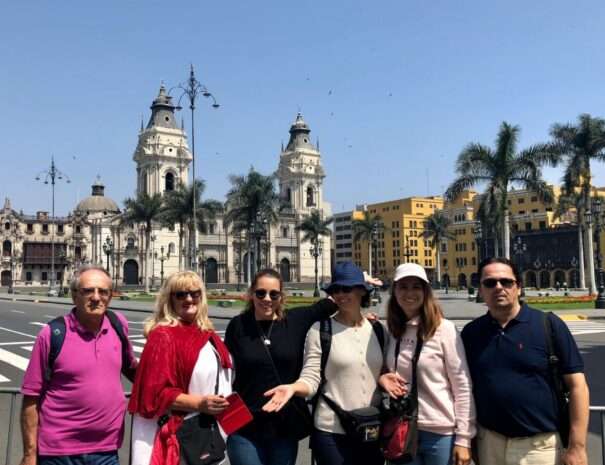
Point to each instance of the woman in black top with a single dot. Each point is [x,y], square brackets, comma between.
[267,348]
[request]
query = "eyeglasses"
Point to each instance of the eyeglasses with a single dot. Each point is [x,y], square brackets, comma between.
[262,293]
[344,289]
[182,295]
[506,283]
[89,291]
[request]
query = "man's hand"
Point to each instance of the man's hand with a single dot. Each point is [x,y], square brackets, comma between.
[575,455]
[461,455]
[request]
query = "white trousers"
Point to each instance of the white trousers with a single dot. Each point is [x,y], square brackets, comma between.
[540,449]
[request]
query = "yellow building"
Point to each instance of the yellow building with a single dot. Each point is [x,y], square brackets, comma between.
[401,237]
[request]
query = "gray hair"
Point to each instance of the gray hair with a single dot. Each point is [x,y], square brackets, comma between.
[74,286]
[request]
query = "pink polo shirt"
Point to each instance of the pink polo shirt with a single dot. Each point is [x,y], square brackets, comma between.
[82,409]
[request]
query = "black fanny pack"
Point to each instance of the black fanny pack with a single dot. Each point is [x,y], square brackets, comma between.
[361,424]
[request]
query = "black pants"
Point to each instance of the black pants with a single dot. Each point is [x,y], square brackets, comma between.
[338,449]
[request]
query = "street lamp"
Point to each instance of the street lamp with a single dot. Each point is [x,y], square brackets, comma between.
[192,88]
[53,174]
[478,237]
[598,208]
[153,257]
[446,278]
[108,249]
[162,258]
[315,251]
[519,248]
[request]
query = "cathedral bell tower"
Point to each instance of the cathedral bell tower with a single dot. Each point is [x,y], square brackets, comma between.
[300,172]
[162,154]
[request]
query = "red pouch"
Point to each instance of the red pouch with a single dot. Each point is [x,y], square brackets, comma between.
[235,416]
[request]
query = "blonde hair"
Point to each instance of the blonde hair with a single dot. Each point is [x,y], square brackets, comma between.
[165,314]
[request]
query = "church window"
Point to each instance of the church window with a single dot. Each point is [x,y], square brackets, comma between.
[289,195]
[7,226]
[44,229]
[171,248]
[169,182]
[30,228]
[130,243]
[310,199]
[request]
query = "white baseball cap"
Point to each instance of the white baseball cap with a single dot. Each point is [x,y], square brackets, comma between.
[410,269]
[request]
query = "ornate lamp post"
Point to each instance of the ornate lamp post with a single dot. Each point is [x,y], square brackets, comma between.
[192,88]
[315,251]
[162,258]
[574,264]
[600,301]
[154,255]
[108,250]
[478,237]
[519,248]
[52,175]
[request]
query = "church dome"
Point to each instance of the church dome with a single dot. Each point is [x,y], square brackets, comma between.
[97,202]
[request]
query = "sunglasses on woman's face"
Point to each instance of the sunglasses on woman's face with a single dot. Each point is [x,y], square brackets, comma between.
[182,295]
[343,289]
[262,293]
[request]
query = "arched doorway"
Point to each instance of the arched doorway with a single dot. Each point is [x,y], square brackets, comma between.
[560,278]
[7,248]
[5,278]
[445,279]
[461,280]
[211,270]
[475,280]
[530,279]
[131,272]
[544,279]
[284,270]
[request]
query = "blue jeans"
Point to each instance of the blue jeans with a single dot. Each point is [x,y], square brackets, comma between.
[338,449]
[433,449]
[274,451]
[95,458]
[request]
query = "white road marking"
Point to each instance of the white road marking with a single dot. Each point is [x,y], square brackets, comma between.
[18,311]
[3,379]
[14,343]
[137,349]
[37,323]
[13,359]
[577,328]
[16,332]
[136,322]
[50,316]
[30,348]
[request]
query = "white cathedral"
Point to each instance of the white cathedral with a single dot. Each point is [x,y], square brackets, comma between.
[94,232]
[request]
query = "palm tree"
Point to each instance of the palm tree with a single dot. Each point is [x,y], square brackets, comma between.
[252,205]
[566,202]
[313,227]
[501,168]
[436,230]
[579,145]
[178,209]
[365,229]
[144,209]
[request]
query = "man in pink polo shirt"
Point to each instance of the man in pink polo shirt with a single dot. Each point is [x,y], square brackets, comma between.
[77,416]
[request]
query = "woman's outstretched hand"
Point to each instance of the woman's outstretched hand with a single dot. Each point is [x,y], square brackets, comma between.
[393,384]
[280,396]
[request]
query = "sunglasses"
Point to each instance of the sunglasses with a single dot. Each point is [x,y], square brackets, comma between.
[182,295]
[262,293]
[89,291]
[344,289]
[506,283]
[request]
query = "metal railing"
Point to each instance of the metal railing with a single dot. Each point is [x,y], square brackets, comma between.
[14,392]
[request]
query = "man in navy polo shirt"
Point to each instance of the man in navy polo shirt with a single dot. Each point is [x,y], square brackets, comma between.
[516,405]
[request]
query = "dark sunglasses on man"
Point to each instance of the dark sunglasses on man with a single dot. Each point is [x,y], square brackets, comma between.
[182,295]
[262,293]
[506,283]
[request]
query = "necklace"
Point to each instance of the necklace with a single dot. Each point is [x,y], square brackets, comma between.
[265,337]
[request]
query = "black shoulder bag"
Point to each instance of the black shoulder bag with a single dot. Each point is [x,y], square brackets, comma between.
[556,382]
[399,435]
[200,440]
[362,424]
[295,412]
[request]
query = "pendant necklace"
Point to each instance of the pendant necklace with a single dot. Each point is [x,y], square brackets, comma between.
[266,338]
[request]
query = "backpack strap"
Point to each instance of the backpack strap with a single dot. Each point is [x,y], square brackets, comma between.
[116,324]
[57,338]
[379,331]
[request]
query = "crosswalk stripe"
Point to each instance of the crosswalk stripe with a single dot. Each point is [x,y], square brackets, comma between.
[37,323]
[4,379]
[17,332]
[29,348]
[13,359]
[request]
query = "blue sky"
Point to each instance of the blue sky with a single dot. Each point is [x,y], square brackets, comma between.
[392,89]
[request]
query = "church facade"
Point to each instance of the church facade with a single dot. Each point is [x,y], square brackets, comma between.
[37,249]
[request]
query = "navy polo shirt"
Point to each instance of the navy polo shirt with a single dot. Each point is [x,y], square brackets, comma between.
[510,375]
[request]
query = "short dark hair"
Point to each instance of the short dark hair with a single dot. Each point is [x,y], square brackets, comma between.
[505,261]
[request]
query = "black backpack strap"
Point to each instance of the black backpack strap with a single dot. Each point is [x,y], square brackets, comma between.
[325,340]
[57,338]
[419,344]
[379,331]
[116,324]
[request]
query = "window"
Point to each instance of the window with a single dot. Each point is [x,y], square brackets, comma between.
[211,228]
[169,182]
[542,224]
[310,197]
[44,276]
[534,198]
[534,210]
[78,229]
[528,226]
[7,226]
[28,276]
[30,228]
[60,229]
[521,200]
[44,229]
[171,248]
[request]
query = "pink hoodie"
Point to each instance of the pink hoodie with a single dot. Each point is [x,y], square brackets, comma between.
[445,396]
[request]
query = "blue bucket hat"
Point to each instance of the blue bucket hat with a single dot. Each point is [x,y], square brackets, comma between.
[347,274]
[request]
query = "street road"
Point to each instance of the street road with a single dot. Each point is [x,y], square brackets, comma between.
[21,321]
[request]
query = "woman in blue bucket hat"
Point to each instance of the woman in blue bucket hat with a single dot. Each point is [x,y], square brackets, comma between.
[354,349]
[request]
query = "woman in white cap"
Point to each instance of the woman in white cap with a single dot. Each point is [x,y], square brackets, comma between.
[446,413]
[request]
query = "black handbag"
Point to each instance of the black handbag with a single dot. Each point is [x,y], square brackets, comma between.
[361,424]
[199,437]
